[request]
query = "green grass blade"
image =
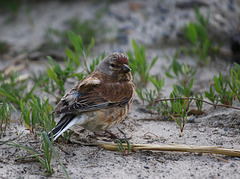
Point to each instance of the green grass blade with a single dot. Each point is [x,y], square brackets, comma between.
[56,155]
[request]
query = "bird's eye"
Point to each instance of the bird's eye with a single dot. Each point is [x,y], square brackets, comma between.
[113,65]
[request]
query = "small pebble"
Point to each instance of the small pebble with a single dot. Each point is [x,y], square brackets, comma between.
[237,158]
[233,165]
[192,120]
[146,167]
[165,117]
[223,134]
[162,9]
[84,162]
[4,134]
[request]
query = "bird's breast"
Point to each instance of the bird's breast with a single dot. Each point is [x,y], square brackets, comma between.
[104,119]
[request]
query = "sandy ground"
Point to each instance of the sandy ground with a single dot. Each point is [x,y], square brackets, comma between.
[156,25]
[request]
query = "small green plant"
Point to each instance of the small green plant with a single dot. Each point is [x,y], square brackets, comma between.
[212,96]
[182,72]
[164,108]
[14,90]
[179,107]
[5,116]
[197,35]
[60,76]
[90,68]
[151,95]
[139,64]
[122,149]
[44,156]
[221,87]
[158,84]
[38,116]
[234,83]
[174,107]
[76,41]
[79,56]
[199,104]
[185,89]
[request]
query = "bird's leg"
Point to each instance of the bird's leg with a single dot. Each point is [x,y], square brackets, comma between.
[99,135]
[113,136]
[123,134]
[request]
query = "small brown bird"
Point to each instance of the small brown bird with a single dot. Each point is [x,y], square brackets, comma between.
[100,100]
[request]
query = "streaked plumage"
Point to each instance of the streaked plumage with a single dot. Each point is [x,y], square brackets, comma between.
[99,101]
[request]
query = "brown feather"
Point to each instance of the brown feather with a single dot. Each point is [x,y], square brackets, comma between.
[95,95]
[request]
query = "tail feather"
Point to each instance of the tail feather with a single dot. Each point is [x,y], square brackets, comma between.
[65,123]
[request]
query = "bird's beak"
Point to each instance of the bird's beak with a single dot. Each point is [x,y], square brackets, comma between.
[125,68]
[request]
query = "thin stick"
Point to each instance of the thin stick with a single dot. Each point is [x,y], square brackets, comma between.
[175,147]
[191,98]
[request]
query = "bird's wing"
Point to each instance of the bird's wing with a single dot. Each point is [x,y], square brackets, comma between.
[94,93]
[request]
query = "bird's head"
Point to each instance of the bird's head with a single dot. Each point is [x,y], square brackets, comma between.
[116,66]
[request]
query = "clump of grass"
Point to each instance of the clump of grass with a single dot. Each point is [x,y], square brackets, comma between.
[38,115]
[80,56]
[122,149]
[234,81]
[221,87]
[5,116]
[139,64]
[212,95]
[15,91]
[59,75]
[201,46]
[44,156]
[180,107]
[151,95]
[199,104]
[182,72]
[53,83]
[224,90]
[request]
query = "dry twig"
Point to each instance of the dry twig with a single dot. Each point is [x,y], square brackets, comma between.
[175,147]
[191,98]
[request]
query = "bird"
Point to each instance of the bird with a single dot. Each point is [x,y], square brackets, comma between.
[99,101]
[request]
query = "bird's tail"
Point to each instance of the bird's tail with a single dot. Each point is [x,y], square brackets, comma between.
[65,123]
